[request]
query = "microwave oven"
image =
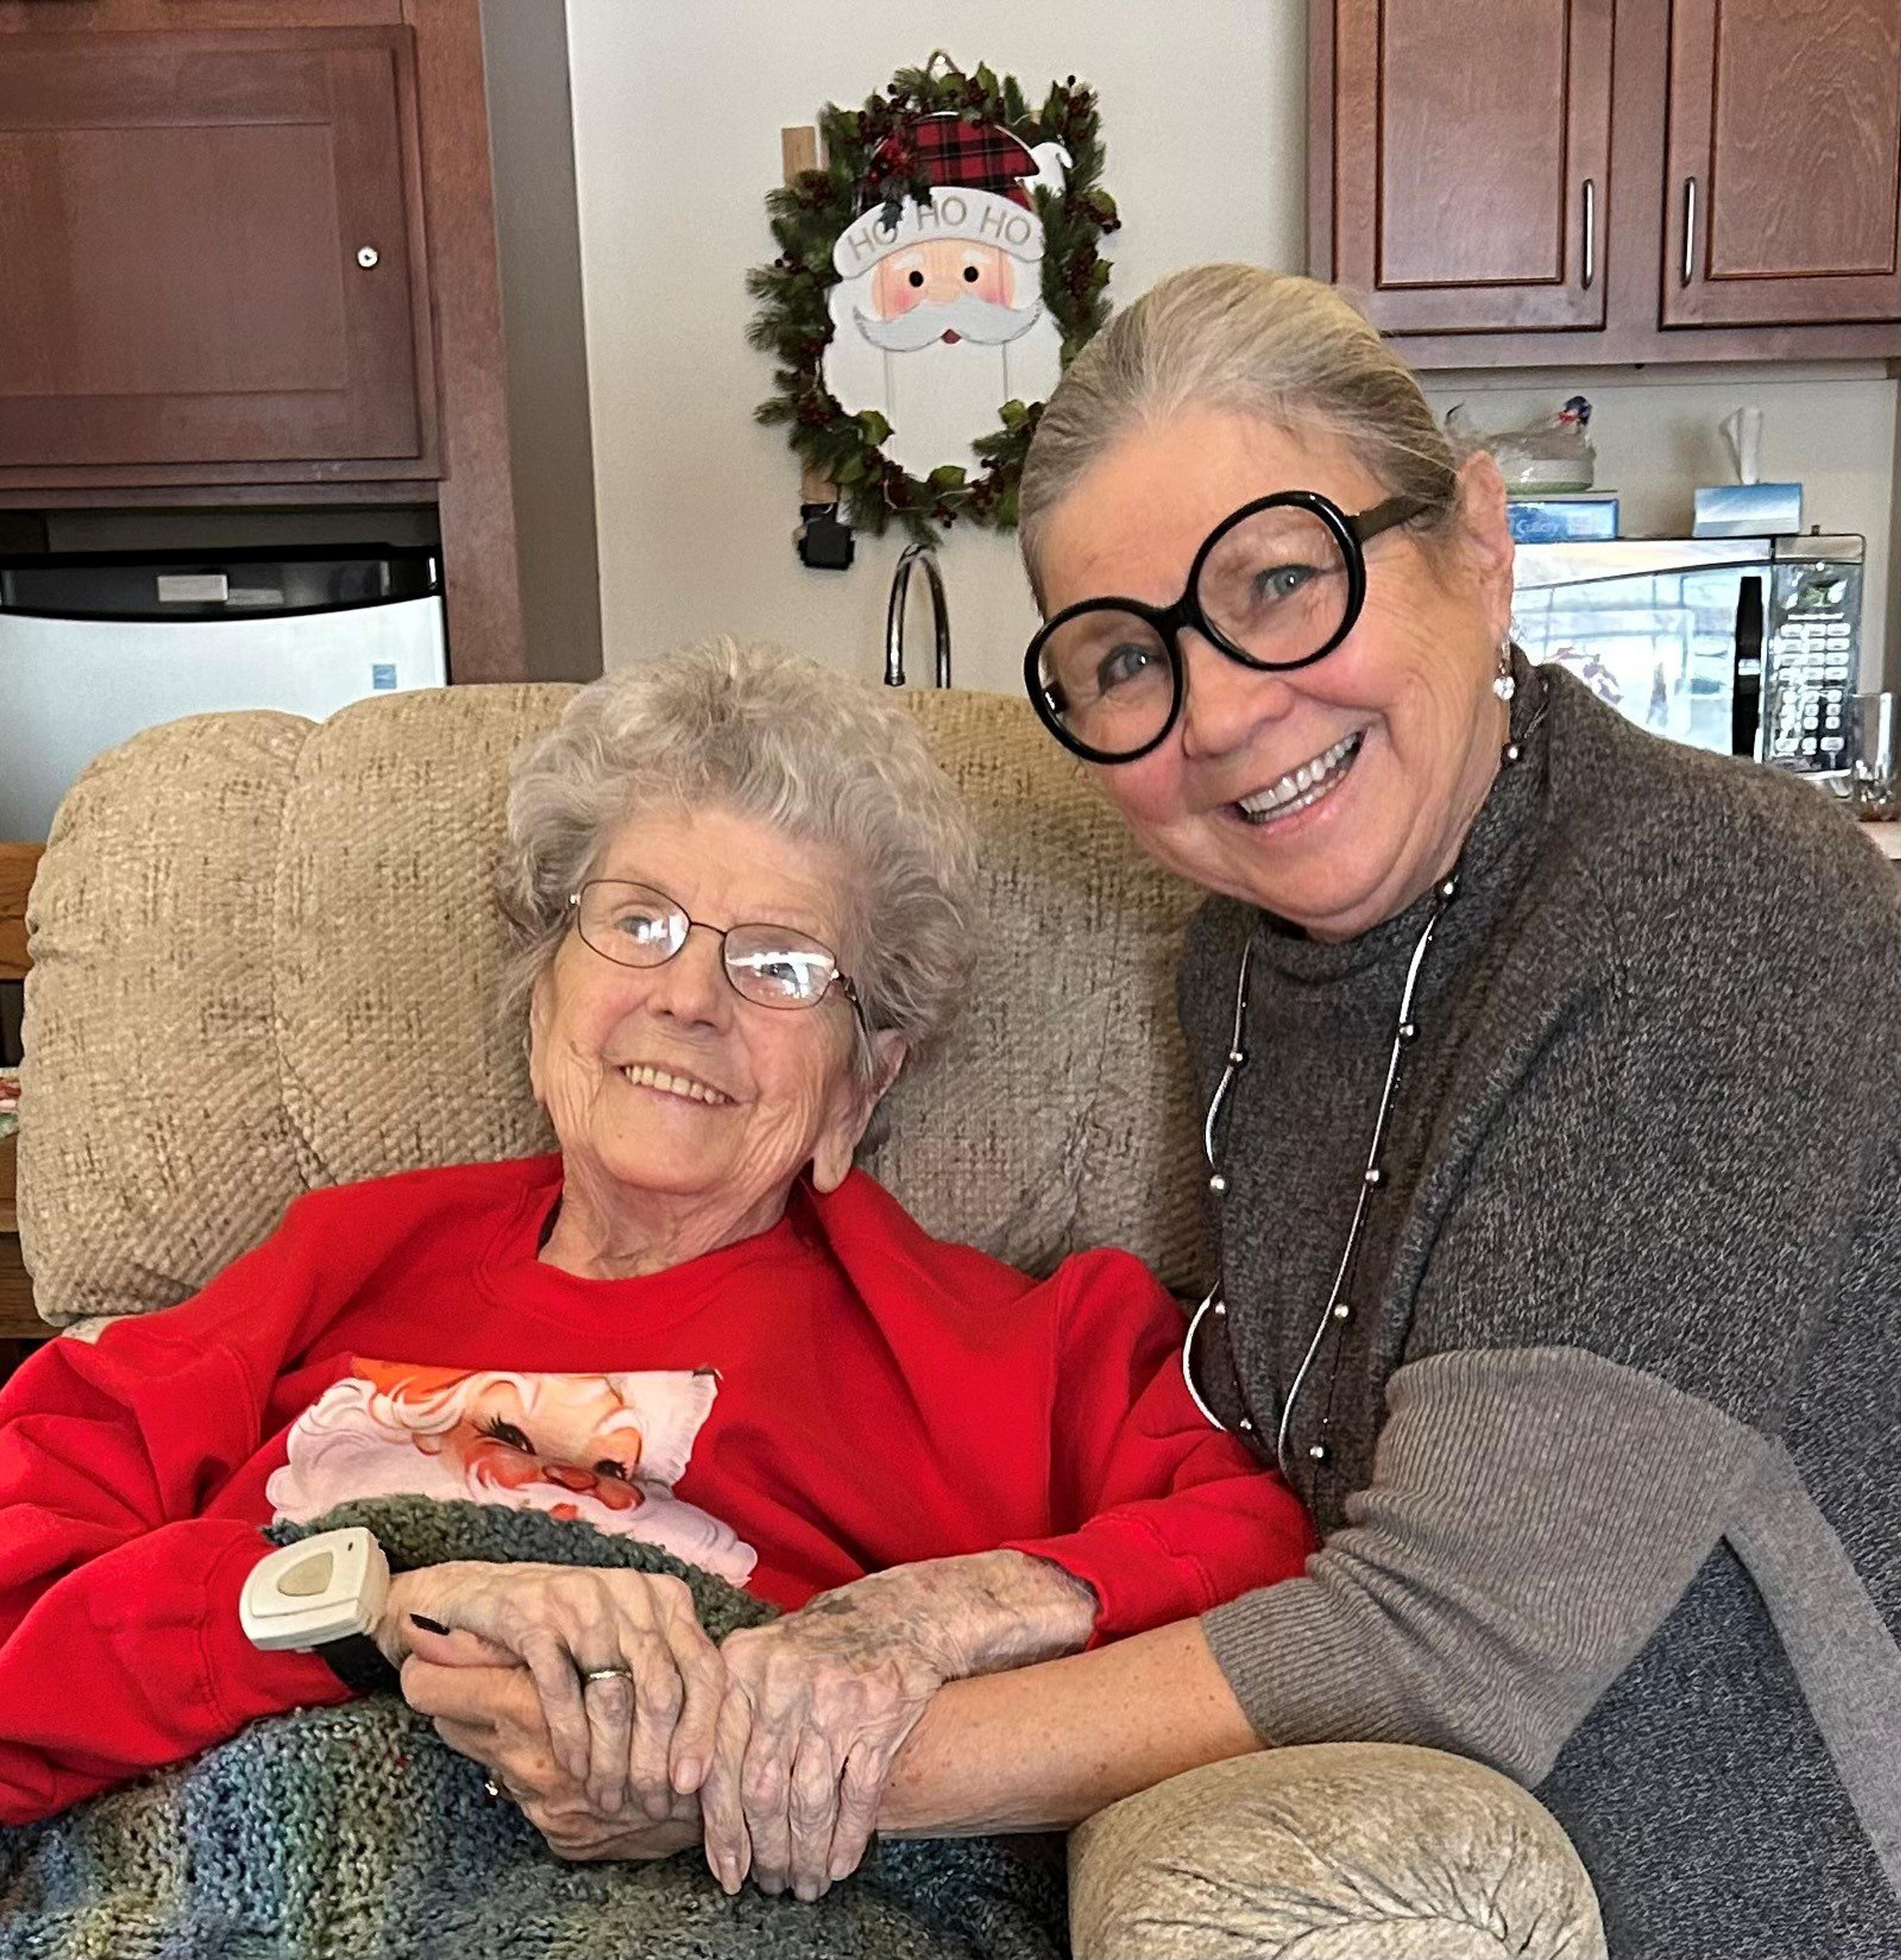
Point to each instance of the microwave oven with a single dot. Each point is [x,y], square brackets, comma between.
[1746,646]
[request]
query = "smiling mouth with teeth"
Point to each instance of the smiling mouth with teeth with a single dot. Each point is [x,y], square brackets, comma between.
[645,1076]
[1304,787]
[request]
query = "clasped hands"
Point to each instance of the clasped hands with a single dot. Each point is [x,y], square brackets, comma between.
[594,1699]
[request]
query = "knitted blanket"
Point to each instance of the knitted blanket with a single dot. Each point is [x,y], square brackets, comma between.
[355,1833]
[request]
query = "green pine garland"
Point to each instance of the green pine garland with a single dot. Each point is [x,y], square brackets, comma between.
[793,325]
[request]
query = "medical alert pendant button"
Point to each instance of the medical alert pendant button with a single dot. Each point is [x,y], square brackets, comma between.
[326,1588]
[312,1577]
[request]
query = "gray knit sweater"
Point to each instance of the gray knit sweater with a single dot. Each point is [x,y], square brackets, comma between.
[1613,1494]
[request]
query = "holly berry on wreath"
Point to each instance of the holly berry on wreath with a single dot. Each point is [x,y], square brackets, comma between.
[932,282]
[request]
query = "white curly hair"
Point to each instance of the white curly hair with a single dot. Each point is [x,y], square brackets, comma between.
[771,735]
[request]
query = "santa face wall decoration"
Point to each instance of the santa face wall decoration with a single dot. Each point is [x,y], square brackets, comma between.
[933,276]
[938,320]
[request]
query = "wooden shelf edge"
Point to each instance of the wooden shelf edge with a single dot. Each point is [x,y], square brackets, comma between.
[19,1322]
[1678,347]
[198,496]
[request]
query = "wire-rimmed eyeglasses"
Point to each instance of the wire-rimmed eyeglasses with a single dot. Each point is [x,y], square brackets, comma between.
[771,966]
[1276,585]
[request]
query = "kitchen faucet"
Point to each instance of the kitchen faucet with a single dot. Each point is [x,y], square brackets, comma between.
[913,555]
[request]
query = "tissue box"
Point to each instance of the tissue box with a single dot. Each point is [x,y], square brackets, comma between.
[1748,510]
[1591,517]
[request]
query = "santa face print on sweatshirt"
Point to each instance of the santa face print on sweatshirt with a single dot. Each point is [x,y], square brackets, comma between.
[605,1448]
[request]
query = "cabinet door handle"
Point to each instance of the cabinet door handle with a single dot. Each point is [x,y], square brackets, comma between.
[1689,229]
[1591,233]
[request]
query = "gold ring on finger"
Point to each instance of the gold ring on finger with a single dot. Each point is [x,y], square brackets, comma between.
[607,1674]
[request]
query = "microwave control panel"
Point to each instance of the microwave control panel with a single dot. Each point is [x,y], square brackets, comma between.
[1809,684]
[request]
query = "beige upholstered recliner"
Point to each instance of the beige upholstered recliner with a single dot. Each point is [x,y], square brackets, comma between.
[266,957]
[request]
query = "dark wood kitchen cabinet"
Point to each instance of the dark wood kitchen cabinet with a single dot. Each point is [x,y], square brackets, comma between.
[248,258]
[1784,152]
[213,246]
[1540,181]
[1470,162]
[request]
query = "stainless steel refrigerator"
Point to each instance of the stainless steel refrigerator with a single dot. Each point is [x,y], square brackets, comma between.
[94,647]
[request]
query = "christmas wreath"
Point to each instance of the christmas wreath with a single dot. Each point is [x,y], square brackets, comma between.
[941,161]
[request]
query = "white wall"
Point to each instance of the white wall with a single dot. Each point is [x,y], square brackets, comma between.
[678,106]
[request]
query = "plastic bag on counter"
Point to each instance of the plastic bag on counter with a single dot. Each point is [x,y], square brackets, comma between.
[1554,454]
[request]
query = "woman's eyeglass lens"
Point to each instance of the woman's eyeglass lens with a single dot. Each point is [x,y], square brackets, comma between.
[1275,586]
[772,965]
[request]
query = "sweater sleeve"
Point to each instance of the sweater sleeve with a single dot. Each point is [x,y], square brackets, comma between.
[1161,1514]
[120,1648]
[1594,1383]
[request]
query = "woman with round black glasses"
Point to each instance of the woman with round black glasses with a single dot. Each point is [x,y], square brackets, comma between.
[1552,1135]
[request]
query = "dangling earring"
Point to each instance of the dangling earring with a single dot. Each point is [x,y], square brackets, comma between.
[1504,685]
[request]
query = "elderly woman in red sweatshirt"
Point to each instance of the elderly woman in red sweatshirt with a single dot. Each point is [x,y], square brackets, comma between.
[741,892]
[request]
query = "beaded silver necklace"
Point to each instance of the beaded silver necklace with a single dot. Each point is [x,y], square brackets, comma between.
[1339,1309]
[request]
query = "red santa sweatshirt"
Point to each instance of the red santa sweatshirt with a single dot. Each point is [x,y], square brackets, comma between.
[840,1394]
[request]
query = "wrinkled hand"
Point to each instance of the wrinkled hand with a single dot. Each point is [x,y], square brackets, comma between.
[646,1727]
[816,1706]
[493,1716]
[819,1704]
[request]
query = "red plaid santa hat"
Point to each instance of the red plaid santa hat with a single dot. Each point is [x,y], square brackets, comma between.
[981,176]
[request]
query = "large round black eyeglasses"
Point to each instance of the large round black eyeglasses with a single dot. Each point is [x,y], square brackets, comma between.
[1276,585]
[771,966]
